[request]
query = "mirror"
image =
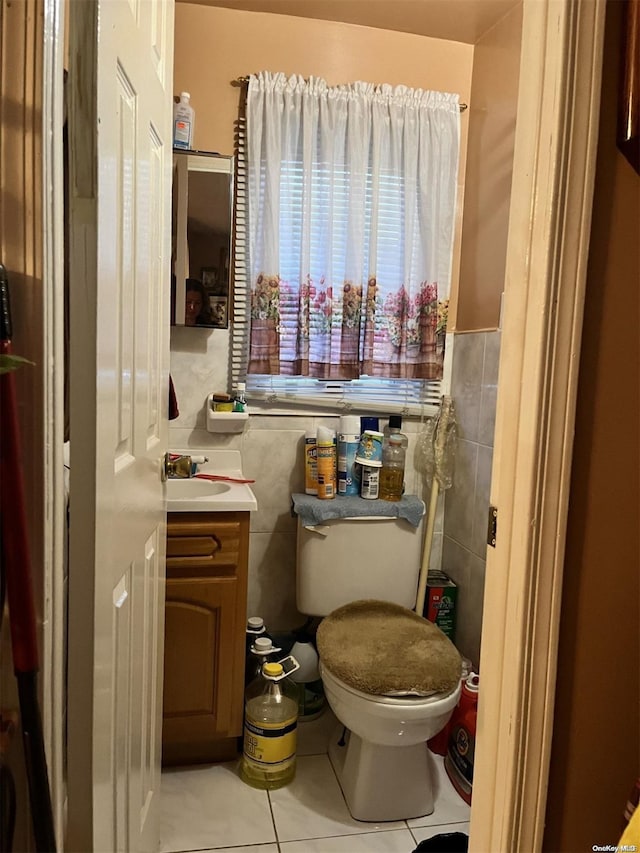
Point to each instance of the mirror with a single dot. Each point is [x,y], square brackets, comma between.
[201,239]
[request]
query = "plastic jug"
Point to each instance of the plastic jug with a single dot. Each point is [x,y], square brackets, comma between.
[311,698]
[270,723]
[262,651]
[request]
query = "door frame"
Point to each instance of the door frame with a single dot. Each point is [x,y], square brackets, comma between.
[547,252]
[545,276]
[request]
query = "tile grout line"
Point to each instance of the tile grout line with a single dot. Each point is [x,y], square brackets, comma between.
[273,821]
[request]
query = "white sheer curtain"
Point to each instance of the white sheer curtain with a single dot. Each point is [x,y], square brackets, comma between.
[351,205]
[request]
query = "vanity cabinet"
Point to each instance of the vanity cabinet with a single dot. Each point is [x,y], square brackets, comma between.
[205,621]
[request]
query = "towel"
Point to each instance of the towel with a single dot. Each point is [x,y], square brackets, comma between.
[313,511]
[173,402]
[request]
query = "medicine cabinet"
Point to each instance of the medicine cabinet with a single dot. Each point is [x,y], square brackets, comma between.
[201,239]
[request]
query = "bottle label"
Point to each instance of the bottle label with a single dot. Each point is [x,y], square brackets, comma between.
[269,744]
[347,482]
[370,483]
[326,456]
[310,467]
[461,752]
[181,133]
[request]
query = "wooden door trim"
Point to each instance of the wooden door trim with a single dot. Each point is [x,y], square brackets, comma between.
[31,248]
[554,167]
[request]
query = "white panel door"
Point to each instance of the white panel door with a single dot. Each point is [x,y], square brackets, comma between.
[121,159]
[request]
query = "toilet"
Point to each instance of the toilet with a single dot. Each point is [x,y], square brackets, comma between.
[391,677]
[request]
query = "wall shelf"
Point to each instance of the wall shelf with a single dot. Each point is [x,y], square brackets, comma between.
[225,421]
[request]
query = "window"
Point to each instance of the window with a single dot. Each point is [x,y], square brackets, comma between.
[343,236]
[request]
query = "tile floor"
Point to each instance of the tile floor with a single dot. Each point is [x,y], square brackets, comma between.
[209,808]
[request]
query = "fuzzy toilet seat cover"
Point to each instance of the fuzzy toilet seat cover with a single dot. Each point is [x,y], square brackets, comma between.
[384,649]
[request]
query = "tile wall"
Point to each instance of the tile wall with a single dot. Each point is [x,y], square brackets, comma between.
[473,387]
[272,453]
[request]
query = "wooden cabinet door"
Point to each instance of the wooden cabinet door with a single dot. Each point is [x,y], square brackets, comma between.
[205,618]
[200,616]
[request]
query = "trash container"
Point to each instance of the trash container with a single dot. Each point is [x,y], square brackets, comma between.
[446,842]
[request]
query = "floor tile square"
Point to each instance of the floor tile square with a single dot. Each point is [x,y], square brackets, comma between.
[449,805]
[312,806]
[393,841]
[210,806]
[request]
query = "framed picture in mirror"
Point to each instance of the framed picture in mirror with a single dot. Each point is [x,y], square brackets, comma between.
[219,311]
[209,278]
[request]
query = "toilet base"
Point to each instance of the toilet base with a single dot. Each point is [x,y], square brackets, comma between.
[382,783]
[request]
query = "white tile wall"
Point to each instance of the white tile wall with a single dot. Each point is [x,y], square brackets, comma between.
[272,454]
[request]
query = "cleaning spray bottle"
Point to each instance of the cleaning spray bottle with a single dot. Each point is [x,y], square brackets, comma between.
[326,453]
[348,439]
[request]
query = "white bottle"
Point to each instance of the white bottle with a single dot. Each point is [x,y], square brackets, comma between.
[311,700]
[183,121]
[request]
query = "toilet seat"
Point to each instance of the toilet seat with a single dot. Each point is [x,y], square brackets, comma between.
[378,648]
[407,702]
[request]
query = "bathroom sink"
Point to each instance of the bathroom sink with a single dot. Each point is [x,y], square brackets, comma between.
[194,488]
[196,495]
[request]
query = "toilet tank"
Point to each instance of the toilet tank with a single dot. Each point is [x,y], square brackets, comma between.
[347,559]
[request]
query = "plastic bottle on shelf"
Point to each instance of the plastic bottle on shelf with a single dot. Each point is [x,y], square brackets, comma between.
[326,461]
[392,472]
[368,423]
[348,439]
[183,121]
[270,723]
[262,651]
[311,698]
[458,761]
[394,427]
[310,463]
[369,482]
[239,399]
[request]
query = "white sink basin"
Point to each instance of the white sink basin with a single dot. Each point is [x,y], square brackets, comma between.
[194,488]
[195,495]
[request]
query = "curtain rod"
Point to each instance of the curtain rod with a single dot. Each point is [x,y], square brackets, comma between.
[242,81]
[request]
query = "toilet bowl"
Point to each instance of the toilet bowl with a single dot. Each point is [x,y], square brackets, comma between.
[388,720]
[391,677]
[382,761]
